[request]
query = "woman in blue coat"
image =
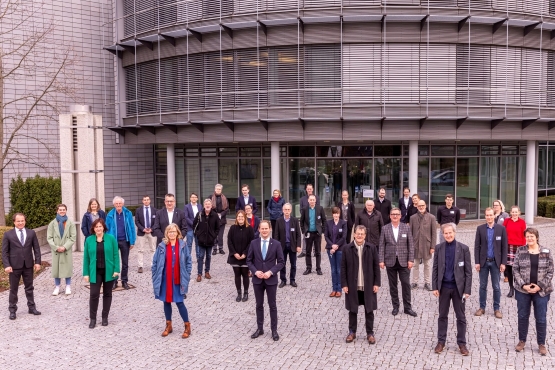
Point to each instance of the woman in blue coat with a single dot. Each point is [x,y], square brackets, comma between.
[275,208]
[171,272]
[93,213]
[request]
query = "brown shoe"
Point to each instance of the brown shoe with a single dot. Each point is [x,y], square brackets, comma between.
[463,349]
[350,337]
[498,314]
[199,278]
[439,348]
[543,349]
[480,312]
[168,329]
[187,332]
[337,294]
[520,346]
[332,294]
[140,270]
[207,275]
[371,339]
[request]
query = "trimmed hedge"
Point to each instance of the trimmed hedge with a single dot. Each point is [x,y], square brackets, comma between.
[37,198]
[3,229]
[546,206]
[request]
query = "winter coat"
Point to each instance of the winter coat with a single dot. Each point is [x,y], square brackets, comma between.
[185,267]
[62,262]
[275,209]
[86,222]
[206,228]
[111,257]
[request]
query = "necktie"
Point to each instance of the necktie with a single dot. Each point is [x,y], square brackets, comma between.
[264,249]
[21,238]
[147,218]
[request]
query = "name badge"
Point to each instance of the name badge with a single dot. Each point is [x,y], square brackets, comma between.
[452,212]
[250,204]
[292,229]
[501,219]
[307,235]
[545,250]
[497,238]
[347,207]
[319,217]
[153,216]
[404,235]
[461,263]
[340,230]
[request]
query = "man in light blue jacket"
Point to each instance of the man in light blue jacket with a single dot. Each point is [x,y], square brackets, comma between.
[121,226]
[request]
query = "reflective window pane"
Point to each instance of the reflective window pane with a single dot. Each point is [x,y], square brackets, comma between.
[423,150]
[301,151]
[329,151]
[542,167]
[227,152]
[442,178]
[388,150]
[357,151]
[509,149]
[465,150]
[208,152]
[250,174]
[250,152]
[227,176]
[508,180]
[521,185]
[359,178]
[489,182]
[329,182]
[388,176]
[192,178]
[490,149]
[424,179]
[550,167]
[467,187]
[301,173]
[442,150]
[208,176]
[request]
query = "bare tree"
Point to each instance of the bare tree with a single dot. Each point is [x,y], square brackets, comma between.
[37,79]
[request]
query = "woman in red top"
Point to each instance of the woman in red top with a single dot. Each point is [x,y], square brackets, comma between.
[515,234]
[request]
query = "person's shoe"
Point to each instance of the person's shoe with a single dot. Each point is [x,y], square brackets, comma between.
[506,280]
[168,329]
[12,316]
[319,272]
[207,275]
[115,285]
[479,312]
[543,349]
[371,339]
[307,271]
[282,284]
[33,311]
[410,312]
[395,312]
[140,270]
[250,273]
[511,292]
[214,253]
[498,314]
[520,346]
[187,332]
[332,294]
[199,278]
[92,323]
[222,251]
[414,286]
[245,297]
[104,321]
[257,333]
[439,347]
[125,285]
[337,294]
[301,255]
[352,336]
[238,299]
[293,284]
[275,336]
[428,287]
[463,349]
[56,290]
[68,289]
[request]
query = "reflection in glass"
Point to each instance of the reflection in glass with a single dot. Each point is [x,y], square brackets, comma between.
[467,187]
[227,176]
[388,176]
[489,182]
[442,178]
[359,177]
[192,180]
[521,185]
[508,180]
[542,167]
[550,174]
[424,179]
[301,173]
[180,197]
[250,174]
[209,176]
[330,182]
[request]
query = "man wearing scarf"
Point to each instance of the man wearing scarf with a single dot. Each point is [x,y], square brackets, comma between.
[221,206]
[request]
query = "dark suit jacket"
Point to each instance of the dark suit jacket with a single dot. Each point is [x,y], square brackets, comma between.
[190,214]
[341,238]
[19,256]
[402,249]
[500,245]
[463,274]
[140,219]
[162,222]
[320,220]
[240,205]
[404,210]
[373,224]
[384,208]
[303,203]
[294,232]
[274,261]
[351,213]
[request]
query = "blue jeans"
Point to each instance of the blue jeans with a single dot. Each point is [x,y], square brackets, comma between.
[485,271]
[523,303]
[190,237]
[335,262]
[204,252]
[57,281]
[182,311]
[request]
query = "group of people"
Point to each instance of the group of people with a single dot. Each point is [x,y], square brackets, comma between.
[358,245]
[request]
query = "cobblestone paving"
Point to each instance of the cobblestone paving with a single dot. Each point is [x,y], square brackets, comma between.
[312,328]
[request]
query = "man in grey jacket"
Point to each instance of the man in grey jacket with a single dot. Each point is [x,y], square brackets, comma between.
[423,226]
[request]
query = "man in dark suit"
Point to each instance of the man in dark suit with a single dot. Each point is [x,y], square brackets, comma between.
[166,216]
[313,225]
[145,216]
[372,219]
[18,247]
[265,259]
[405,205]
[383,206]
[397,254]
[246,199]
[303,203]
[288,234]
[451,282]
[490,256]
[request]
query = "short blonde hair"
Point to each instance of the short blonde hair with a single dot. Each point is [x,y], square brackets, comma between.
[170,227]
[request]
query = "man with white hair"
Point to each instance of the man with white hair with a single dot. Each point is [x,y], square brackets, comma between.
[372,219]
[121,226]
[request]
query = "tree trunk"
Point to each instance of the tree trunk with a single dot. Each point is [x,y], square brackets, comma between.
[2,207]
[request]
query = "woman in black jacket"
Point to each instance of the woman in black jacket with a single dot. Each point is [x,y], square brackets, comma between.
[93,213]
[335,239]
[239,238]
[348,214]
[206,227]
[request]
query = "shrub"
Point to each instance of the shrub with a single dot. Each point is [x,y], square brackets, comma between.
[37,198]
[3,229]
[550,210]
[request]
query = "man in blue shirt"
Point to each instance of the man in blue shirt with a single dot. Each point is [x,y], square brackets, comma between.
[119,222]
[313,225]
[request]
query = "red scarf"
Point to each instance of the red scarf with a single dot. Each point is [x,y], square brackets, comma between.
[251,222]
[169,272]
[276,199]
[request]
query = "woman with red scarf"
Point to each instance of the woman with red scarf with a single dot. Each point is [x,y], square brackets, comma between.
[171,272]
[252,220]
[275,209]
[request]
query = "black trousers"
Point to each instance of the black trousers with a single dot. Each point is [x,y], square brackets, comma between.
[403,274]
[273,222]
[220,240]
[106,294]
[509,275]
[124,247]
[313,239]
[292,254]
[368,317]
[271,291]
[446,296]
[15,277]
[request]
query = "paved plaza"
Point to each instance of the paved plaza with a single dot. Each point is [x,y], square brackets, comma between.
[312,327]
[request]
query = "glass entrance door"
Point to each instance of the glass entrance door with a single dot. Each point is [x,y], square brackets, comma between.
[359,178]
[329,182]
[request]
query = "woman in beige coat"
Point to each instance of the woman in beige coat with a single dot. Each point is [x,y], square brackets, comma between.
[61,236]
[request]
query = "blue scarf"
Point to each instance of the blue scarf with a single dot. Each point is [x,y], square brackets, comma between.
[61,226]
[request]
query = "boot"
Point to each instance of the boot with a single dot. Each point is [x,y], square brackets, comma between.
[511,292]
[168,329]
[238,299]
[187,331]
[245,296]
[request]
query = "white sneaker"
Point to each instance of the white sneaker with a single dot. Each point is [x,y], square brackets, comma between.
[68,290]
[56,291]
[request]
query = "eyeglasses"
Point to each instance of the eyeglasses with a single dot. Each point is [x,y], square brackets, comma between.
[395,214]
[421,205]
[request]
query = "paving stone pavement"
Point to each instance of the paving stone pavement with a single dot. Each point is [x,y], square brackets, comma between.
[312,328]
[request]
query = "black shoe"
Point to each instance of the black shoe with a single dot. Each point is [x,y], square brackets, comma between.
[307,271]
[115,285]
[511,292]
[319,272]
[12,316]
[428,287]
[238,299]
[293,284]
[245,297]
[125,285]
[411,312]
[395,312]
[222,251]
[275,336]
[301,255]
[33,311]
[104,321]
[214,253]
[92,324]
[282,284]
[414,286]
[257,333]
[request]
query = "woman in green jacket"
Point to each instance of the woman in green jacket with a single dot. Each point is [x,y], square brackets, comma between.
[61,236]
[101,268]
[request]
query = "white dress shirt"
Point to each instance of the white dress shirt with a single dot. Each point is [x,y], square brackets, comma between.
[395,232]
[195,209]
[18,231]
[170,216]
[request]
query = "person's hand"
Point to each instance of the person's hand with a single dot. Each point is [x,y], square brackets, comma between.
[332,251]
[259,274]
[409,265]
[502,268]
[267,275]
[37,267]
[237,256]
[147,231]
[131,247]
[9,270]
[116,274]
[382,265]
[436,293]
[432,251]
[375,288]
[298,249]
[466,296]
[60,249]
[243,256]
[345,290]
[477,267]
[86,278]
[335,247]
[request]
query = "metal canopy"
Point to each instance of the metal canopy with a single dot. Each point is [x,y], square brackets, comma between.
[362,18]
[280,22]
[329,19]
[405,18]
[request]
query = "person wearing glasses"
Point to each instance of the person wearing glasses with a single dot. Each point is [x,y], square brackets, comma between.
[424,233]
[167,216]
[499,212]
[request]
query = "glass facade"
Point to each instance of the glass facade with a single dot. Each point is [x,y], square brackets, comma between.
[546,168]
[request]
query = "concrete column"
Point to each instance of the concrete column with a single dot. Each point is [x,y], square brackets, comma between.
[275,165]
[413,166]
[531,176]
[171,168]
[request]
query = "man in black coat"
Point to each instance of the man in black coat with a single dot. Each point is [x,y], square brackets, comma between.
[370,218]
[360,280]
[288,234]
[206,227]
[313,225]
[167,216]
[383,206]
[18,247]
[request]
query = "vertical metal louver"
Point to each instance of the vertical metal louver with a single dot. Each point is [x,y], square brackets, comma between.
[322,74]
[216,8]
[169,84]
[550,77]
[191,78]
[219,79]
